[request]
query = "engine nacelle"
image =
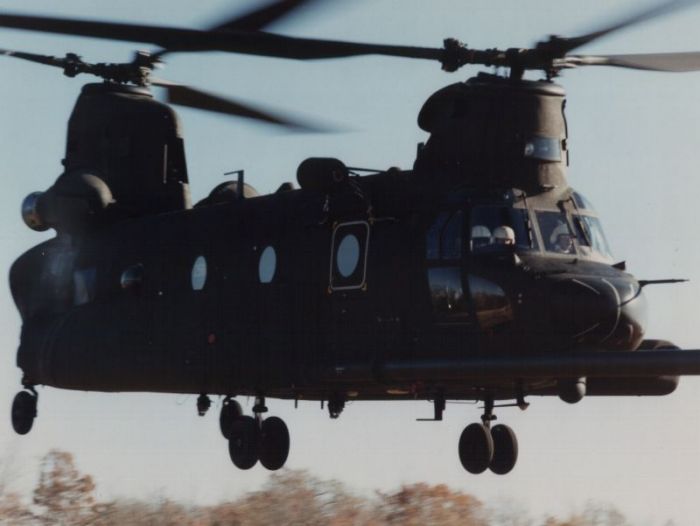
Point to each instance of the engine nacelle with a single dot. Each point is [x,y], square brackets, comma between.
[73,203]
[30,212]
[321,174]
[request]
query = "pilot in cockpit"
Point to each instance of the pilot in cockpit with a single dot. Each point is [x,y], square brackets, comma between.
[561,241]
[503,236]
[481,237]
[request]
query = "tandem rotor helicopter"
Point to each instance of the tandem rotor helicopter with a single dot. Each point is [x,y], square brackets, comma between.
[478,275]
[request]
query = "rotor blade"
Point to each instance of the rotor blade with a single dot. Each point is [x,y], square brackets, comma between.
[260,18]
[561,45]
[194,98]
[671,62]
[252,21]
[32,57]
[114,31]
[252,43]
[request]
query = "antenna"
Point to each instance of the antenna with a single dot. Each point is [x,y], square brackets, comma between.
[240,182]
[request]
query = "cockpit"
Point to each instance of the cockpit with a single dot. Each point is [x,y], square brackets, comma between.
[569,231]
[495,227]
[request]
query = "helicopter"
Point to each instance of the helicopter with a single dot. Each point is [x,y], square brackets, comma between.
[478,275]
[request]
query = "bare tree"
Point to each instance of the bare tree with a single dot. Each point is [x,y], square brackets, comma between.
[295,497]
[63,495]
[420,504]
[594,514]
[12,510]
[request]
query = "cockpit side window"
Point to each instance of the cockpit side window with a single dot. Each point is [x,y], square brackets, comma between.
[495,227]
[444,238]
[432,242]
[452,237]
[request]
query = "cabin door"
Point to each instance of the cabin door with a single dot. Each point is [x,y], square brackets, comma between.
[203,310]
[188,303]
[350,337]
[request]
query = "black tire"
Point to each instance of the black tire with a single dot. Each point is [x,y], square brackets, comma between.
[505,449]
[244,442]
[274,443]
[475,448]
[229,412]
[23,412]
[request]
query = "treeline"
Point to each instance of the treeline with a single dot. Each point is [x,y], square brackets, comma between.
[64,496]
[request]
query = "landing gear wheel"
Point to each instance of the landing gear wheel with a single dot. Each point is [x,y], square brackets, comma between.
[274,443]
[505,452]
[229,412]
[23,412]
[476,448]
[243,442]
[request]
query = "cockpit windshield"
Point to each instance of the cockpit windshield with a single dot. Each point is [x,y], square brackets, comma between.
[581,202]
[591,239]
[589,231]
[556,235]
[584,236]
[494,228]
[497,228]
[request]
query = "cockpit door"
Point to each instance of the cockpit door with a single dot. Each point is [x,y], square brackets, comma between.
[453,321]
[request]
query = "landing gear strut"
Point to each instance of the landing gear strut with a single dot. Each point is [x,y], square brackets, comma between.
[203,404]
[336,404]
[253,438]
[24,411]
[482,447]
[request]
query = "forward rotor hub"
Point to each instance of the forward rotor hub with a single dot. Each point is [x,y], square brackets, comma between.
[135,72]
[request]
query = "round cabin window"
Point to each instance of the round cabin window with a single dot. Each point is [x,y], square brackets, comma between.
[348,255]
[267,265]
[199,273]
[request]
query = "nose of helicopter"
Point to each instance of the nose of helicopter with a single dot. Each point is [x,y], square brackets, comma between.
[633,318]
[610,312]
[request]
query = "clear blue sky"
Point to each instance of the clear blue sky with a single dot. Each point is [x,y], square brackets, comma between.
[634,139]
